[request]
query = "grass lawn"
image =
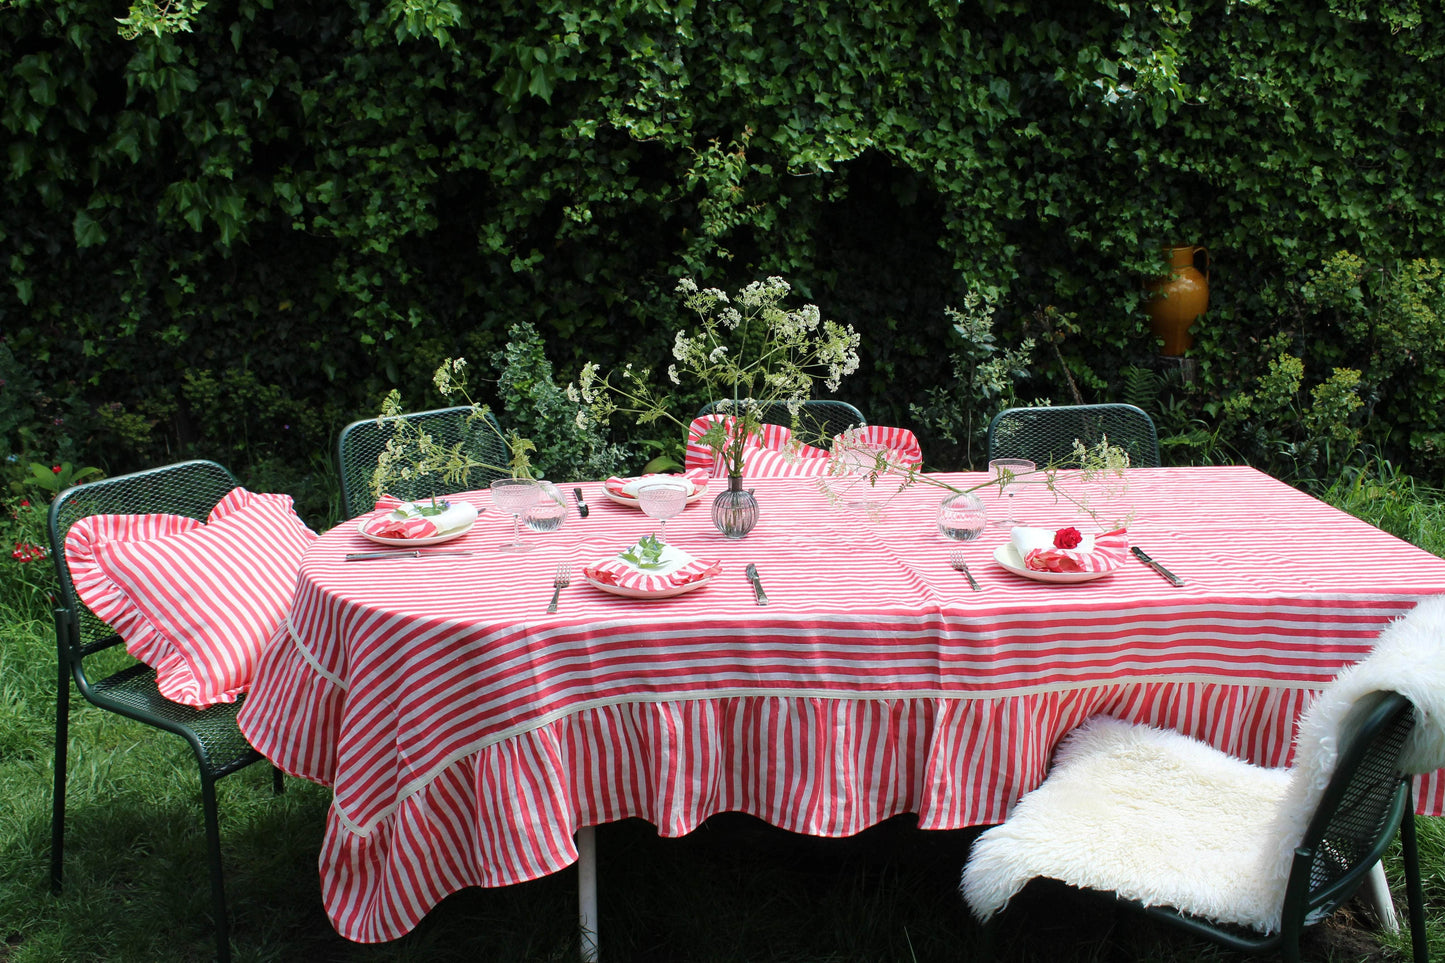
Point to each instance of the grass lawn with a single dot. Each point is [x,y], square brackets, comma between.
[734,890]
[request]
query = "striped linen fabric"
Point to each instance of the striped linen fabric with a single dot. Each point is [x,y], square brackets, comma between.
[196,602]
[773,452]
[465,741]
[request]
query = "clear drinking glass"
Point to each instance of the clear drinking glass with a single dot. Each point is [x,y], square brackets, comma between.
[857,460]
[962,517]
[1006,471]
[662,500]
[549,511]
[514,496]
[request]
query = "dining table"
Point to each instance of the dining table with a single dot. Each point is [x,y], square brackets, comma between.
[470,737]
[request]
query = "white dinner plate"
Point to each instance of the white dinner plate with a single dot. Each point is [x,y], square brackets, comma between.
[666,593]
[411,542]
[673,559]
[631,500]
[1008,556]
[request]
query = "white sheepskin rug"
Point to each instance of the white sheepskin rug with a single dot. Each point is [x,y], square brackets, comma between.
[1164,819]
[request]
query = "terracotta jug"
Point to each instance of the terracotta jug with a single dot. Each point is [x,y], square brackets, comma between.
[1175,302]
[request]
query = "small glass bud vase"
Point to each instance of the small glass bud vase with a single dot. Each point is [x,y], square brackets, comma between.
[735,511]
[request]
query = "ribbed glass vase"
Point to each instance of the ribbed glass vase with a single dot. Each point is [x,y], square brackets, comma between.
[735,511]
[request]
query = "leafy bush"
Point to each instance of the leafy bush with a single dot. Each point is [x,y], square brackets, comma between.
[537,408]
[273,219]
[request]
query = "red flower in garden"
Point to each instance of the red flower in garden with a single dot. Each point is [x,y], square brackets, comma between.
[1067,538]
[25,552]
[55,468]
[24,503]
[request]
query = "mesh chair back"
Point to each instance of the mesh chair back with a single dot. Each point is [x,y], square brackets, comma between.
[192,489]
[818,419]
[1046,435]
[1361,808]
[189,488]
[362,443]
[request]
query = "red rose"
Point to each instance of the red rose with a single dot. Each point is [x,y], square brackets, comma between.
[1067,538]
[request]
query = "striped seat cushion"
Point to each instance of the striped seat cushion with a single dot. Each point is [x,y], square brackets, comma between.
[195,601]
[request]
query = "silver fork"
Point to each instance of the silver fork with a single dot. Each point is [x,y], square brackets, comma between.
[955,558]
[561,580]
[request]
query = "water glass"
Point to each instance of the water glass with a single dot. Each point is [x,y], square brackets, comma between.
[549,511]
[962,517]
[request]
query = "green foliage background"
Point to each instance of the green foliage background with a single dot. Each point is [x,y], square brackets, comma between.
[232,241]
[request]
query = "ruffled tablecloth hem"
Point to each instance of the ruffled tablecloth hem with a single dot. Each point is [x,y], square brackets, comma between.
[823,767]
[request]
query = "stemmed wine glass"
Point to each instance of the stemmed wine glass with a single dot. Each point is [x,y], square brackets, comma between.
[514,496]
[1006,472]
[662,500]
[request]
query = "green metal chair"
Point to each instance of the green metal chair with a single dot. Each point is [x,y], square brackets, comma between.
[188,488]
[362,442]
[818,419]
[1367,801]
[1045,435]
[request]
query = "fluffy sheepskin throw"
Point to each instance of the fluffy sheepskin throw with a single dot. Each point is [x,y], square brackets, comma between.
[1164,819]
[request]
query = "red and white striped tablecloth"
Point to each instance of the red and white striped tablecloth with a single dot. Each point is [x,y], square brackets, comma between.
[467,734]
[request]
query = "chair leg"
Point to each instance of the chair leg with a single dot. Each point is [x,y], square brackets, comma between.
[278,781]
[57,812]
[1414,896]
[988,939]
[218,884]
[1377,890]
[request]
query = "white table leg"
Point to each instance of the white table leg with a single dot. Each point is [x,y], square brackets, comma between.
[587,892]
[1379,891]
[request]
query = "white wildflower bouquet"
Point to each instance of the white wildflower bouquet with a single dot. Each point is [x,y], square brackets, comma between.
[412,454]
[747,352]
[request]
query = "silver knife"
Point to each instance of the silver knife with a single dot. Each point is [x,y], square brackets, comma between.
[1139,552]
[758,593]
[400,553]
[581,505]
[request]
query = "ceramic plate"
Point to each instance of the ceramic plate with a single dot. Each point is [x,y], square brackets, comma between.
[666,593]
[411,542]
[631,500]
[1008,556]
[673,558]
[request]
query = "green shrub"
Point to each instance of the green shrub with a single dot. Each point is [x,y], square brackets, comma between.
[277,217]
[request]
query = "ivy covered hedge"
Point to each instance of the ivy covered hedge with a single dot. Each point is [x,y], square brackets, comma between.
[233,240]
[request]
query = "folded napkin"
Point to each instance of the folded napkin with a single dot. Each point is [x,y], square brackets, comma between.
[678,568]
[1040,550]
[627,487]
[404,519]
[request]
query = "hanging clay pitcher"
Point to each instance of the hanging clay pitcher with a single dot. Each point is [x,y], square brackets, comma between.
[1175,302]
